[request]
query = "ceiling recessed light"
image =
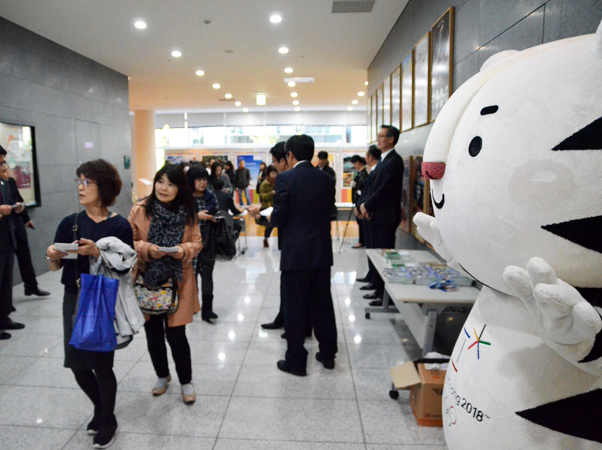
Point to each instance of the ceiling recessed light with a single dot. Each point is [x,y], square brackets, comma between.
[292,84]
[295,102]
[355,102]
[350,108]
[176,53]
[260,99]
[360,93]
[216,86]
[283,50]
[293,94]
[297,109]
[200,73]
[228,95]
[141,25]
[238,103]
[245,110]
[366,83]
[289,70]
[276,18]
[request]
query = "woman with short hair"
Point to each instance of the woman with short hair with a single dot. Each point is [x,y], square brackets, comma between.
[167,218]
[98,185]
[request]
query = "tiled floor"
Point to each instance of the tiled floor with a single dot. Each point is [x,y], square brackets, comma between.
[243,401]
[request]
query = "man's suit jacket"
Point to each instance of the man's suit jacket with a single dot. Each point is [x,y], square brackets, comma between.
[7,227]
[302,206]
[384,201]
[18,219]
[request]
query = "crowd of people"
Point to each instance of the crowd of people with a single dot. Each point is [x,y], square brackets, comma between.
[173,232]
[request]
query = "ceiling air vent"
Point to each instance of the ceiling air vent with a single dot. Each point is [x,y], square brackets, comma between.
[352,6]
[227,99]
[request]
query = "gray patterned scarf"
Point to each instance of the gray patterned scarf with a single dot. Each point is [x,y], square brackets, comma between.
[166,230]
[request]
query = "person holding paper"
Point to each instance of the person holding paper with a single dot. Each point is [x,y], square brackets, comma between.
[98,185]
[205,206]
[21,221]
[167,218]
[7,248]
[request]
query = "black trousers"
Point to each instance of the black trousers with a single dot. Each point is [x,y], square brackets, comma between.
[382,236]
[156,332]
[28,274]
[362,237]
[6,283]
[307,301]
[365,225]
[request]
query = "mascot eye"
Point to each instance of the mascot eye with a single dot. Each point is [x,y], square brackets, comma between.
[475,146]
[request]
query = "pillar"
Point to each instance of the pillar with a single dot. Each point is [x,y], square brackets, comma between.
[144,151]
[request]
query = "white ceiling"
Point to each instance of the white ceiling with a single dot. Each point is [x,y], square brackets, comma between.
[336,49]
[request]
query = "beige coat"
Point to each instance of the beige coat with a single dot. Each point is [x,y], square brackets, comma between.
[191,243]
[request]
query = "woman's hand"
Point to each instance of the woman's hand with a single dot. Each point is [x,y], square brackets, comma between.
[88,248]
[180,253]
[53,254]
[154,252]
[19,208]
[5,210]
[204,215]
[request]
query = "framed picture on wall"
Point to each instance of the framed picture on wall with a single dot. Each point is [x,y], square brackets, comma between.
[407,92]
[396,98]
[417,192]
[421,81]
[19,143]
[406,196]
[373,123]
[379,107]
[442,57]
[179,157]
[387,101]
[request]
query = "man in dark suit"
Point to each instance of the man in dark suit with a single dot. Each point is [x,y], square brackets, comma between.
[7,246]
[302,206]
[22,252]
[372,160]
[383,207]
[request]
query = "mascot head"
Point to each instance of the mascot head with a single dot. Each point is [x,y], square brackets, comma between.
[515,162]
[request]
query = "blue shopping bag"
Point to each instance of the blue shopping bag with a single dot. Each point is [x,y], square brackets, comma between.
[94,330]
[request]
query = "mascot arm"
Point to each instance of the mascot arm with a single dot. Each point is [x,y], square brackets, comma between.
[563,318]
[427,228]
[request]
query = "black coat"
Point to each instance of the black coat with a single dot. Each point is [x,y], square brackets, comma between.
[302,207]
[384,199]
[19,219]
[7,226]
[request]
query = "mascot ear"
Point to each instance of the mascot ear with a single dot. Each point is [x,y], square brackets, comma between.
[493,60]
[597,48]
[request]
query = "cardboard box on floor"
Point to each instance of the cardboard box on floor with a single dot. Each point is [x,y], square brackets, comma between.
[426,389]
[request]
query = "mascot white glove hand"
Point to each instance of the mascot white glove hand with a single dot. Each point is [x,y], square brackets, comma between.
[564,319]
[427,228]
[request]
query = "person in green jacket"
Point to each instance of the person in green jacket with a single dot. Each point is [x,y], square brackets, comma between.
[266,194]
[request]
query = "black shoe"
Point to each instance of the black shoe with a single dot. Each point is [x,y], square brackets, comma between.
[328,363]
[376,303]
[371,296]
[8,324]
[283,365]
[271,326]
[4,335]
[94,424]
[206,319]
[368,287]
[211,315]
[364,280]
[106,434]
[36,291]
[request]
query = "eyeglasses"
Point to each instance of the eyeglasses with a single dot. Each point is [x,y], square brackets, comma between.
[86,183]
[3,163]
[382,136]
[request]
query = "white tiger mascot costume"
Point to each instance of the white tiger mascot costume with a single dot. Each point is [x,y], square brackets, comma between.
[515,162]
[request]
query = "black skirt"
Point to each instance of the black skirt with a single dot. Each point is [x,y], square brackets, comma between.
[80,359]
